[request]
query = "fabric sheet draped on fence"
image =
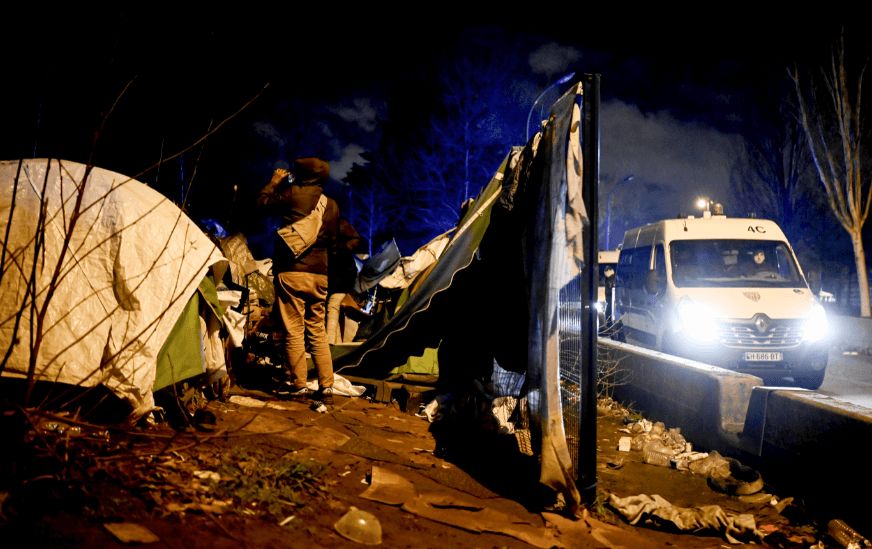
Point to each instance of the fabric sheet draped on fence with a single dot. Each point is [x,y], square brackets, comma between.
[500,278]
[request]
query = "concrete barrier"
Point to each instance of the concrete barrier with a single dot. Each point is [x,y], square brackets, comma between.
[707,402]
[803,443]
[813,444]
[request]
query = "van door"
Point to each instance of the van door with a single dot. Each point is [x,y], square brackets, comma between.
[656,301]
[634,301]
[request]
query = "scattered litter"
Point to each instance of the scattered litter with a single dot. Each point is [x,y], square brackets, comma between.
[364,481]
[253,402]
[346,473]
[359,526]
[641,426]
[640,440]
[624,444]
[742,480]
[656,458]
[431,410]
[341,386]
[768,528]
[207,475]
[714,465]
[846,536]
[616,464]
[215,507]
[397,441]
[287,520]
[781,505]
[129,532]
[389,488]
[733,526]
[319,407]
[422,450]
[680,464]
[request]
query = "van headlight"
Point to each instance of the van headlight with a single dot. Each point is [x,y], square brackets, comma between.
[816,325]
[697,321]
[600,306]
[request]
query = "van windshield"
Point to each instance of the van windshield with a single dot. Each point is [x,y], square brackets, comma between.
[733,264]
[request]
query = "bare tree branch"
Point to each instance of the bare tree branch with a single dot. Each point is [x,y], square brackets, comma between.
[834,133]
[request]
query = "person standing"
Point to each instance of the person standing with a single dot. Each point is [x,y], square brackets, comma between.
[301,282]
[343,273]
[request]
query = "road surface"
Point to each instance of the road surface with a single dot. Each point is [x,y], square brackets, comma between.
[849,378]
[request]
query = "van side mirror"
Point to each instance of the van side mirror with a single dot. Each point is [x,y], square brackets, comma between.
[652,283]
[814,282]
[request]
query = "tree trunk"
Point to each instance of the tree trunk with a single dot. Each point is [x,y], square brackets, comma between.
[862,273]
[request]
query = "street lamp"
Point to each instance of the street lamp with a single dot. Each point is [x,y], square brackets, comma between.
[563,80]
[609,210]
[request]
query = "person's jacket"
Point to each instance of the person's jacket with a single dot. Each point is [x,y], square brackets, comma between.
[294,202]
[343,269]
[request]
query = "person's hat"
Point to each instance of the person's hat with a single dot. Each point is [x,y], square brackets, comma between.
[310,170]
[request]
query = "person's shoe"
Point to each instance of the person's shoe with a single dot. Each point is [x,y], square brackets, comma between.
[324,395]
[289,392]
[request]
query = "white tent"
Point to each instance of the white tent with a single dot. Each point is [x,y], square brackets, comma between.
[116,277]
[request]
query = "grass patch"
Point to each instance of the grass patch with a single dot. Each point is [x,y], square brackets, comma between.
[599,507]
[271,486]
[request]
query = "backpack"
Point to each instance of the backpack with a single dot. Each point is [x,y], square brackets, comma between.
[299,236]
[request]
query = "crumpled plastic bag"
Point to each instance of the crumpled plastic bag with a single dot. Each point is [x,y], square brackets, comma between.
[714,465]
[433,410]
[341,386]
[694,519]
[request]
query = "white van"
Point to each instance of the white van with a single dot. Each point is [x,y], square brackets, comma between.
[723,291]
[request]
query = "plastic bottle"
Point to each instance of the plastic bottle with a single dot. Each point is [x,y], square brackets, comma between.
[845,535]
[657,458]
[639,442]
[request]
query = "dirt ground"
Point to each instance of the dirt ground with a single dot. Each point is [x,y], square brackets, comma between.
[269,473]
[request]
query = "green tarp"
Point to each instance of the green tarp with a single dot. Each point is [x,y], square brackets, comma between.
[181,356]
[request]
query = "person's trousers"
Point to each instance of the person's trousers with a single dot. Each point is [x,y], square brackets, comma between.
[301,298]
[334,311]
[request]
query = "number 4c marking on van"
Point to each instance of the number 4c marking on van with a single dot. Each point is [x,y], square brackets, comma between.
[757,229]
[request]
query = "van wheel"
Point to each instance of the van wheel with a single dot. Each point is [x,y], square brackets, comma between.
[812,382]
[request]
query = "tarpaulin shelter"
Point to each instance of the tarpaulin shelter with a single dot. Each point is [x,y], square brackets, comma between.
[379,266]
[113,263]
[411,266]
[494,291]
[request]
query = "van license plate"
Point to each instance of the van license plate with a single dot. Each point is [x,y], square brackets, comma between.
[763,357]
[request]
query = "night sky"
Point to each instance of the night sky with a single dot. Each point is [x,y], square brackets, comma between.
[677,88]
